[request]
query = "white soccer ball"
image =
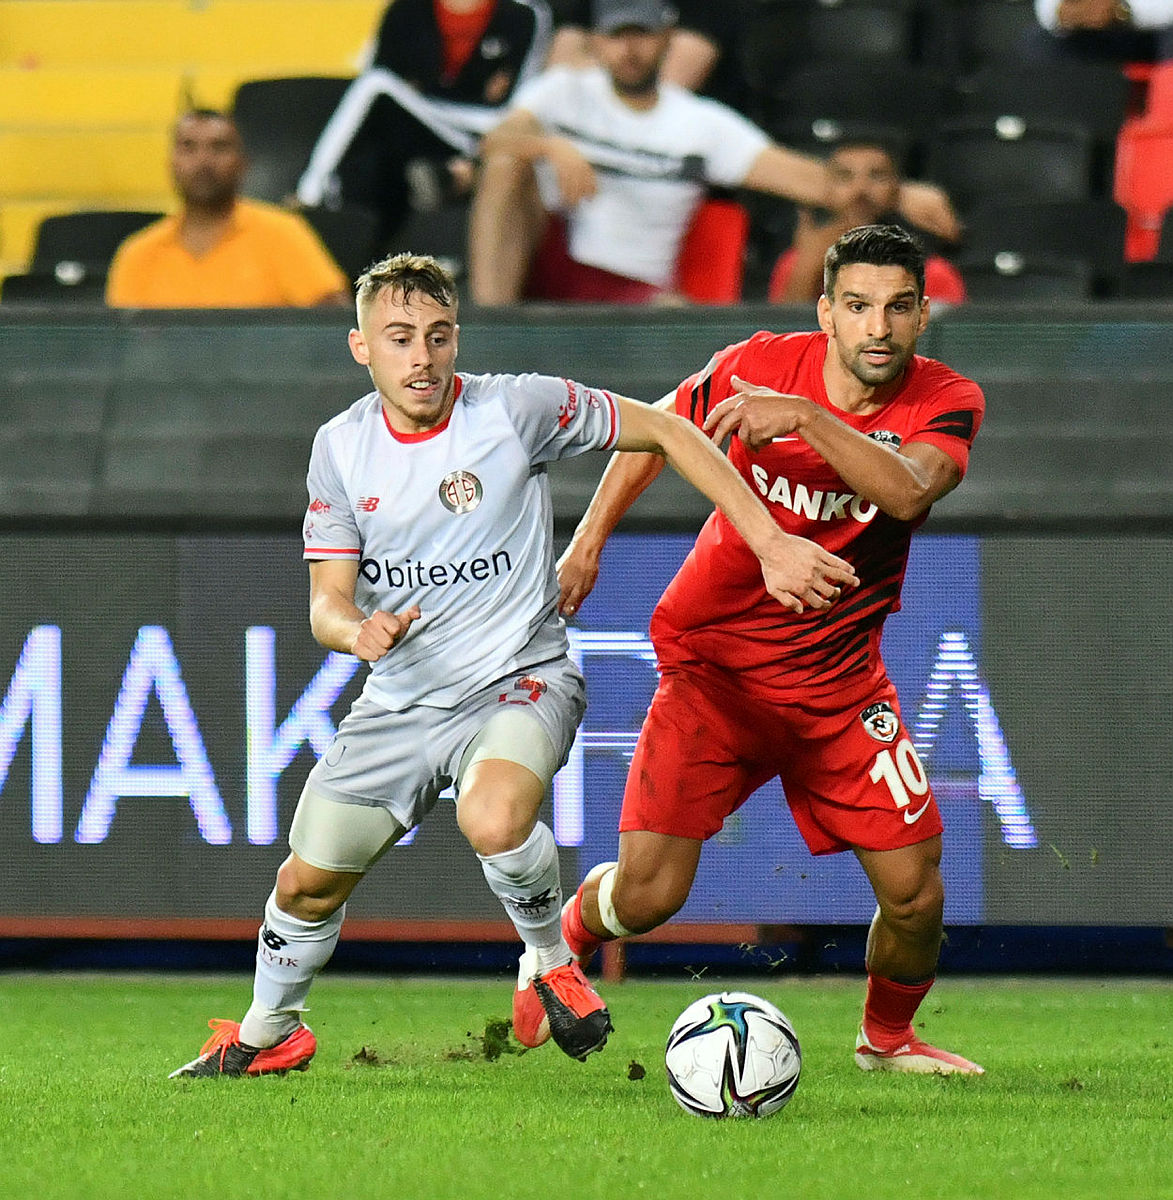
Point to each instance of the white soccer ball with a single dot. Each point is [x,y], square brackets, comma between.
[732,1054]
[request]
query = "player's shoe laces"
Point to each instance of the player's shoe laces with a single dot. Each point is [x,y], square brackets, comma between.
[224,1054]
[912,1055]
[563,1005]
[572,927]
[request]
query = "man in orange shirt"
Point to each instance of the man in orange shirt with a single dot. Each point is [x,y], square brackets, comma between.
[219,250]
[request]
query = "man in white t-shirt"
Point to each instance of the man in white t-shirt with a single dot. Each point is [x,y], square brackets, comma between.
[623,160]
[429,536]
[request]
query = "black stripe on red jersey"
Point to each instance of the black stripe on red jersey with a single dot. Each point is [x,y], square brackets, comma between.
[879,596]
[957,424]
[701,394]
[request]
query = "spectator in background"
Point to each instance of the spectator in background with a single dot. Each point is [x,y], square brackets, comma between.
[863,188]
[219,250]
[406,131]
[702,50]
[624,160]
[1140,31]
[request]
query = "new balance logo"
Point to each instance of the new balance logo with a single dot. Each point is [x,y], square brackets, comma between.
[368,503]
[273,940]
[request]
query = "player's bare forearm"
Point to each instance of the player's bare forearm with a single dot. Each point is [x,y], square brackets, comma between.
[339,624]
[797,572]
[903,484]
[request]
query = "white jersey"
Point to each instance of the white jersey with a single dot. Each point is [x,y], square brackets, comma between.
[457,520]
[652,167]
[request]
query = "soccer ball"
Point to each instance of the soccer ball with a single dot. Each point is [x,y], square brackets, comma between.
[732,1054]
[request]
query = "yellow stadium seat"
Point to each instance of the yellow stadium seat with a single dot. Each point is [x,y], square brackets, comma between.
[86,97]
[108,166]
[285,36]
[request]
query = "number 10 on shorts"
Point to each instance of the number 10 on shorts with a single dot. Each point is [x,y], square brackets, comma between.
[902,771]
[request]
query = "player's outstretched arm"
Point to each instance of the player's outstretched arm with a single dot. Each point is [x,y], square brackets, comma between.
[339,624]
[904,483]
[626,477]
[797,572]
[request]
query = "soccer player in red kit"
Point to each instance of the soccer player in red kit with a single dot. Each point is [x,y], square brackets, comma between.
[849,436]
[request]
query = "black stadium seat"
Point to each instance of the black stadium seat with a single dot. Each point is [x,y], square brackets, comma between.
[79,245]
[1010,158]
[1010,276]
[962,35]
[1090,229]
[279,122]
[781,34]
[889,102]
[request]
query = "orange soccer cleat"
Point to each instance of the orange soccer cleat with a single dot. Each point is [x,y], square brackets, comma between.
[224,1054]
[563,1005]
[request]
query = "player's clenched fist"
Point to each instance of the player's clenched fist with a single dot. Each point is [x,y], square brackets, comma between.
[382,630]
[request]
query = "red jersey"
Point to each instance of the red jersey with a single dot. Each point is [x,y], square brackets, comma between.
[717,610]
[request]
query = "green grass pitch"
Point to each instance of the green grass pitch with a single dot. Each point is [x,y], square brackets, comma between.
[410,1096]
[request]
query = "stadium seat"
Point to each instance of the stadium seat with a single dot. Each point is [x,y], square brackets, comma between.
[266,36]
[962,35]
[84,241]
[45,287]
[279,122]
[1010,276]
[1143,184]
[1158,103]
[348,233]
[1145,281]
[883,101]
[1090,94]
[1010,158]
[711,266]
[779,34]
[1090,229]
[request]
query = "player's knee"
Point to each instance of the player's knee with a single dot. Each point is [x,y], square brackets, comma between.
[494,831]
[643,904]
[306,896]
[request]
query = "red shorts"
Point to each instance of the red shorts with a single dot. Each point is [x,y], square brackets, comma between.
[851,775]
[557,276]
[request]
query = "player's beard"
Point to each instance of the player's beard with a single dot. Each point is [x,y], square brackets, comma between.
[877,374]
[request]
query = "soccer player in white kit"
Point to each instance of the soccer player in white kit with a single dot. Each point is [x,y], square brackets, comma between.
[429,536]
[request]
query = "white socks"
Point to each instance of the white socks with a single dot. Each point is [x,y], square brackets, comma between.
[290,952]
[526,881]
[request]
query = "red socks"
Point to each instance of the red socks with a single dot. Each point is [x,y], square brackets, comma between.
[579,938]
[889,1008]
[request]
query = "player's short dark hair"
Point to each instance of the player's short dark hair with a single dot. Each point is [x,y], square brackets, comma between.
[876,246]
[407,274]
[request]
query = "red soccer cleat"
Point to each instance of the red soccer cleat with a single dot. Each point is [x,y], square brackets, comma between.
[913,1056]
[563,1005]
[224,1054]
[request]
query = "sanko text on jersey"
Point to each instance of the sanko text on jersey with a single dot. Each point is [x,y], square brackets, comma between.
[815,505]
[421,574]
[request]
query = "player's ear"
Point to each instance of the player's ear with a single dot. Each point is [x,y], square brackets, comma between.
[358,348]
[823,309]
[455,341]
[924,316]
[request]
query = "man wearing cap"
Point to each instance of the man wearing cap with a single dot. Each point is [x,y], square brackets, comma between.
[588,185]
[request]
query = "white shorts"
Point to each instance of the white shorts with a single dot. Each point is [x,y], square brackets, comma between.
[394,765]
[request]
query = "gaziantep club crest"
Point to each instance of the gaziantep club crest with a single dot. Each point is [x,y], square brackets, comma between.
[880,721]
[460,491]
